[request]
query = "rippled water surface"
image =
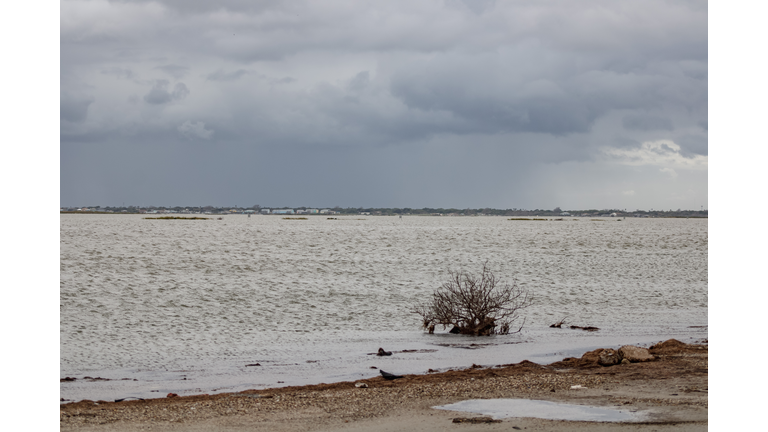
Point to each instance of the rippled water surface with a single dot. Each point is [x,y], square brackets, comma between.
[184,306]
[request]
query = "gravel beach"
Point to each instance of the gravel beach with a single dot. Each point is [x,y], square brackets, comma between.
[672,390]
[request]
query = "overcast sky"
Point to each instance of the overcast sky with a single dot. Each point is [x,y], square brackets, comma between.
[446,103]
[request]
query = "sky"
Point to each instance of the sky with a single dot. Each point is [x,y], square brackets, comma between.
[449,103]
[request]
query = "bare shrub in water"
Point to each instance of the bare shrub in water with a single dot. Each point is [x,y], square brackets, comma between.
[473,304]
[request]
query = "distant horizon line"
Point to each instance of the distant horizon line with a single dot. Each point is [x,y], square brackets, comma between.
[479,209]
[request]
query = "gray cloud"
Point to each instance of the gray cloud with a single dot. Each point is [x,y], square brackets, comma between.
[692,144]
[220,75]
[284,80]
[476,6]
[159,93]
[360,81]
[193,130]
[646,122]
[119,72]
[423,89]
[173,70]
[74,108]
[203,6]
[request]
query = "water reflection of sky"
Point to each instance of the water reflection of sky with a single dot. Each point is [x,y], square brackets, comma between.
[506,408]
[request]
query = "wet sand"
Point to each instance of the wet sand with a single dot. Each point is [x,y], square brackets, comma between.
[673,389]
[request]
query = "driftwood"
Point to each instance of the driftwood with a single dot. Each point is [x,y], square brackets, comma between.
[558,324]
[584,328]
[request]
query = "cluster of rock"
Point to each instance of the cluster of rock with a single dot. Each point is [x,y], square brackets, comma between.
[624,355]
[607,357]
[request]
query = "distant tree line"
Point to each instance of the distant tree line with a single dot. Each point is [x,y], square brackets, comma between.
[426,211]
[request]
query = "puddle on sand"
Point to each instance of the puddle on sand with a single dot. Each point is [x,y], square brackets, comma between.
[505,408]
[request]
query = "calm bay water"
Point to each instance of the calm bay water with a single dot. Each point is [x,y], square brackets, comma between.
[183,306]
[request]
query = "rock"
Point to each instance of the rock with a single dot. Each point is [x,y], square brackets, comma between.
[609,357]
[361,385]
[383,353]
[475,420]
[624,361]
[171,395]
[670,343]
[253,364]
[635,354]
[129,397]
[389,376]
[670,346]
[588,360]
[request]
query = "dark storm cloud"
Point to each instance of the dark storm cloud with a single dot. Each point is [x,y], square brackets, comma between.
[433,85]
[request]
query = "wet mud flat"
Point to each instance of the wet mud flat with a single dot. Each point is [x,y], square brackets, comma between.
[671,391]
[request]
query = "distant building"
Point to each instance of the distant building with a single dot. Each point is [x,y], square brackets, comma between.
[264,211]
[283,211]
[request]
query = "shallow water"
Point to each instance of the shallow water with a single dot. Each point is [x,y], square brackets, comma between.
[508,408]
[163,300]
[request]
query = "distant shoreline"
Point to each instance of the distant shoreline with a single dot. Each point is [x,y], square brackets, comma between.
[389,215]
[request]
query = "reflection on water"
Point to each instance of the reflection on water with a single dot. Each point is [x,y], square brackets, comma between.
[506,408]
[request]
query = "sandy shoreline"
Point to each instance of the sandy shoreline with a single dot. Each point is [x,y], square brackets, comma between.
[673,389]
